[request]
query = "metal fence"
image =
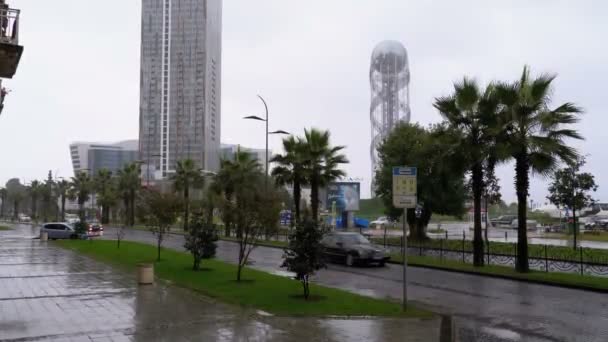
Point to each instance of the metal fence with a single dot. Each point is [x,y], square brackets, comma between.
[547,258]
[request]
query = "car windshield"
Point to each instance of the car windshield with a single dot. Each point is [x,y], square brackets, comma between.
[354,239]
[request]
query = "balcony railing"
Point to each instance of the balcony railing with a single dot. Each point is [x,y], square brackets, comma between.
[9,25]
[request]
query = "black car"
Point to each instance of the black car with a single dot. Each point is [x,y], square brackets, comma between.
[352,248]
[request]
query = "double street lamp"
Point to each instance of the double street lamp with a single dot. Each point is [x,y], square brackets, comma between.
[255,117]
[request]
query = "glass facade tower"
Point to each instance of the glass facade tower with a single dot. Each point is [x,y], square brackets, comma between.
[389,77]
[180,87]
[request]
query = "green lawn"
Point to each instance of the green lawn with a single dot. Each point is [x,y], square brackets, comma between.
[4,228]
[567,279]
[271,293]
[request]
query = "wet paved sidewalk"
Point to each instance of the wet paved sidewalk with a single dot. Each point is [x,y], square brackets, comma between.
[51,294]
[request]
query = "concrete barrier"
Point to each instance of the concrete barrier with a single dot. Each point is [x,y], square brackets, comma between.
[145,274]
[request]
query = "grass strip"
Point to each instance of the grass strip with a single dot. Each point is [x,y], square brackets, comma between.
[5,228]
[275,294]
[549,278]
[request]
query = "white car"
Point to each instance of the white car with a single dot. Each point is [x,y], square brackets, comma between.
[24,218]
[59,230]
[380,222]
[531,224]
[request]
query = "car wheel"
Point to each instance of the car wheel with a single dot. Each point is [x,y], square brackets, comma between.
[350,260]
[381,263]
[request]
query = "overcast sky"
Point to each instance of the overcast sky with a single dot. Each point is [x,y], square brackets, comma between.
[79,75]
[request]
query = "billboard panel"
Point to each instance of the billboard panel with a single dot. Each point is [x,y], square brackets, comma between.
[345,194]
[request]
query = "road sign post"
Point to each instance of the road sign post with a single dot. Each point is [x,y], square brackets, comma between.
[404,196]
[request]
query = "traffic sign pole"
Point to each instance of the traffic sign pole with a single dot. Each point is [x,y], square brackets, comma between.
[404,252]
[404,196]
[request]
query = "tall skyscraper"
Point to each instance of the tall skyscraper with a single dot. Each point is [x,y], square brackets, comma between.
[389,78]
[180,87]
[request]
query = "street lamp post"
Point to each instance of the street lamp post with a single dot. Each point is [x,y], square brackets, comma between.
[254,117]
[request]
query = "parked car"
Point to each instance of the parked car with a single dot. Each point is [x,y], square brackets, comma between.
[596,222]
[95,228]
[24,218]
[352,248]
[503,220]
[59,230]
[531,224]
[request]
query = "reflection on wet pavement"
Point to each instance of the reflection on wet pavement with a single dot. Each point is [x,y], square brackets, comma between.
[48,293]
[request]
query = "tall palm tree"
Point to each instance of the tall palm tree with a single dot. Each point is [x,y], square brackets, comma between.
[474,115]
[61,191]
[3,198]
[186,176]
[535,137]
[34,190]
[80,189]
[129,183]
[103,186]
[321,164]
[290,170]
[234,177]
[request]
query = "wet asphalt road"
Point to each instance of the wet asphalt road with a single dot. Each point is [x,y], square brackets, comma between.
[485,309]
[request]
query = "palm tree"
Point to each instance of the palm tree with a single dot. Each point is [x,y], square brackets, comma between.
[129,183]
[290,170]
[534,137]
[80,189]
[321,164]
[103,186]
[34,190]
[61,191]
[186,176]
[3,198]
[234,176]
[473,114]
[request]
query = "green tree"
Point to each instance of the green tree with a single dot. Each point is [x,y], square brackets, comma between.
[233,174]
[290,170]
[16,193]
[159,211]
[106,195]
[248,205]
[187,176]
[3,198]
[34,190]
[440,175]
[321,164]
[571,188]
[534,135]
[474,114]
[200,240]
[129,184]
[304,253]
[61,191]
[80,189]
[46,191]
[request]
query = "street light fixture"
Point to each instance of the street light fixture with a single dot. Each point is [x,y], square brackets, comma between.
[255,117]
